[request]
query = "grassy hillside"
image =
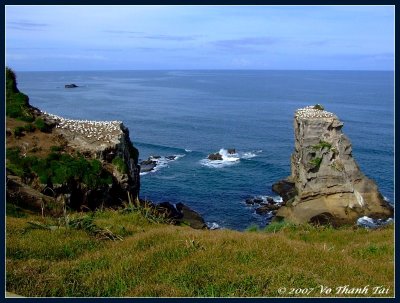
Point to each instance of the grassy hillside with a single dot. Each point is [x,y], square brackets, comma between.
[156,259]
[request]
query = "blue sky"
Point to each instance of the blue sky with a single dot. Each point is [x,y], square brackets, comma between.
[199,37]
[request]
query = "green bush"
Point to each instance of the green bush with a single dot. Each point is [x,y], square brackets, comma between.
[318,106]
[17,103]
[321,145]
[29,128]
[120,165]
[59,168]
[56,148]
[41,125]
[19,131]
[316,162]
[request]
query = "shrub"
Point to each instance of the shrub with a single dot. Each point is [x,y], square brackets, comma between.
[316,162]
[17,103]
[321,145]
[120,165]
[318,106]
[29,128]
[41,125]
[19,131]
[56,148]
[59,168]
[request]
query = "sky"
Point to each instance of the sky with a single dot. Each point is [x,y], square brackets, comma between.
[61,38]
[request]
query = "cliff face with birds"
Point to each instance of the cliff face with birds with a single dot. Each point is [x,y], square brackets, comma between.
[326,185]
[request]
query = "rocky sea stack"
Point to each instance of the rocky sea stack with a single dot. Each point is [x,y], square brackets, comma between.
[326,185]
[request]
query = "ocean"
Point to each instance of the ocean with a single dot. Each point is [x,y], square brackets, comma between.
[190,114]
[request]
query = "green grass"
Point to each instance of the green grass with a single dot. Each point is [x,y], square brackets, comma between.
[120,164]
[156,259]
[316,162]
[321,145]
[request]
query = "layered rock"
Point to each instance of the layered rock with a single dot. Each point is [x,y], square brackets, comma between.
[105,141]
[326,184]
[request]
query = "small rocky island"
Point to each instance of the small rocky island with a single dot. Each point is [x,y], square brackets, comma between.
[326,185]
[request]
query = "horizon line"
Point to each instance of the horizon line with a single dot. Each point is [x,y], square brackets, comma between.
[205,69]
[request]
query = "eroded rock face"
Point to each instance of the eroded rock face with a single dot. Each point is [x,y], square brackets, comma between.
[328,184]
[105,141]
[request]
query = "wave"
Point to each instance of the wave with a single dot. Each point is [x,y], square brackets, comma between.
[229,158]
[368,222]
[161,162]
[213,225]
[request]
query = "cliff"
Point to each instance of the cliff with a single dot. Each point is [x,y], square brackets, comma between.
[326,184]
[54,162]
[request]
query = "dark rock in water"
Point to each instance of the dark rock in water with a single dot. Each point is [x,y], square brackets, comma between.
[190,217]
[285,189]
[258,200]
[249,201]
[267,208]
[72,85]
[231,151]
[270,200]
[155,157]
[147,165]
[216,156]
[170,157]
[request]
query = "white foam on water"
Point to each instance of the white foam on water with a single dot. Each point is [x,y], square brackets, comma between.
[227,159]
[250,154]
[213,225]
[188,150]
[161,162]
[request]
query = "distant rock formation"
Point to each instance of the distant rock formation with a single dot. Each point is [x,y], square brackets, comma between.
[326,184]
[72,85]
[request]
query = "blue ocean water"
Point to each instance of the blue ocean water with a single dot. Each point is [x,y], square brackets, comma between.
[195,113]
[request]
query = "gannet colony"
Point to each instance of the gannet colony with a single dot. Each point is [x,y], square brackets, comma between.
[103,131]
[312,112]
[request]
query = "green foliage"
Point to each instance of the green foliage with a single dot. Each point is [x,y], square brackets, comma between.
[316,162]
[41,125]
[56,148]
[19,131]
[321,145]
[120,165]
[17,103]
[319,107]
[29,128]
[252,228]
[59,168]
[274,227]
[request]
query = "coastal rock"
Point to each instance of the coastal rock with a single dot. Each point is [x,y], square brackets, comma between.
[231,151]
[214,157]
[328,184]
[147,165]
[182,214]
[72,85]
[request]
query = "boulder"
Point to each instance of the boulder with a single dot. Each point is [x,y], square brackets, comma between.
[231,151]
[326,185]
[216,156]
[190,217]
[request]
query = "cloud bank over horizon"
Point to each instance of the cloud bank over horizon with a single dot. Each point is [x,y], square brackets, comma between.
[51,38]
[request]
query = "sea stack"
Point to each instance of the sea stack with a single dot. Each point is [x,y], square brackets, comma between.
[326,185]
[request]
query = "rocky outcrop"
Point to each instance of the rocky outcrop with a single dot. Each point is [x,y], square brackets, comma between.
[71,85]
[326,184]
[215,157]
